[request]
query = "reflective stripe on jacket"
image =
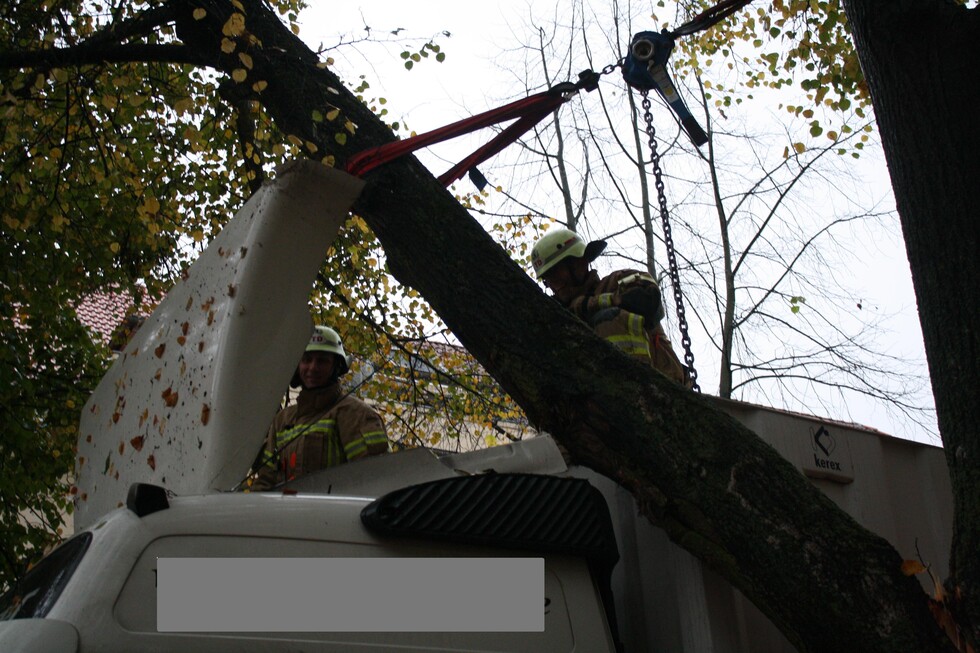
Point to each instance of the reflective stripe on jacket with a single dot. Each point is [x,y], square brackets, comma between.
[322,429]
[597,302]
[625,331]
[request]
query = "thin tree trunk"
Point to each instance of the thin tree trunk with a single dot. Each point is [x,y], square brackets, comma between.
[647,207]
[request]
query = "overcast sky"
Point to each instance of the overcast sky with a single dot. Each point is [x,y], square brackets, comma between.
[471,80]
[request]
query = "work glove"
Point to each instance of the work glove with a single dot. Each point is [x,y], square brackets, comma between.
[642,301]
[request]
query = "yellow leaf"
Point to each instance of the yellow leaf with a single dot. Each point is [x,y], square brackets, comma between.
[295,140]
[311,147]
[199,14]
[328,160]
[183,105]
[359,223]
[239,75]
[227,46]
[799,147]
[332,114]
[295,28]
[114,248]
[234,26]
[238,5]
[260,86]
[245,59]
[912,567]
[151,205]
[349,126]
[341,138]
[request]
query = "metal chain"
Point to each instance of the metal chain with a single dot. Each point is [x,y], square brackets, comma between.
[613,66]
[588,79]
[675,279]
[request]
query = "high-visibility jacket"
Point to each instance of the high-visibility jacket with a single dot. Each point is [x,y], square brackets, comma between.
[324,428]
[598,302]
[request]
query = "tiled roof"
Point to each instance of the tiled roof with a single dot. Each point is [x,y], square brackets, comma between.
[103,311]
[111,316]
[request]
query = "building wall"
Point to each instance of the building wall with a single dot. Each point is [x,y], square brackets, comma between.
[668,601]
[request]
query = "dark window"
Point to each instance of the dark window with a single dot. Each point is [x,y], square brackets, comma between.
[35,593]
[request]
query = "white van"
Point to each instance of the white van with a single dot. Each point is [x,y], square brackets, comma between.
[98,591]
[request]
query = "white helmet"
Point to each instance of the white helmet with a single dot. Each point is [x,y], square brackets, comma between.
[326,339]
[556,246]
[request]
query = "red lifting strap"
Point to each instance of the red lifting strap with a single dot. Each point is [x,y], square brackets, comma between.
[529,111]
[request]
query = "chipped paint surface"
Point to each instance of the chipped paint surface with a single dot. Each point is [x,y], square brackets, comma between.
[189,401]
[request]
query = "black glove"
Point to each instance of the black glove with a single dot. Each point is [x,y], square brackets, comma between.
[642,301]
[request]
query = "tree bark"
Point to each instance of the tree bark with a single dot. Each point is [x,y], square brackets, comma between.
[715,487]
[919,58]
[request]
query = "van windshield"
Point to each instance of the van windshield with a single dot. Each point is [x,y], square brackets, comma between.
[35,593]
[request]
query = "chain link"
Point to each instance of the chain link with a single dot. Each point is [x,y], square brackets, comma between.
[612,67]
[675,279]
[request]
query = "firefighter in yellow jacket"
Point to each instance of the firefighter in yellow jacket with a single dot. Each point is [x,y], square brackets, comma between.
[624,308]
[326,426]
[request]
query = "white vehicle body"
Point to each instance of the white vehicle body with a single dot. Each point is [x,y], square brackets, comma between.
[110,602]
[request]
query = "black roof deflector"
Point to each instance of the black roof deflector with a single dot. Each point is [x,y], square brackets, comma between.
[518,511]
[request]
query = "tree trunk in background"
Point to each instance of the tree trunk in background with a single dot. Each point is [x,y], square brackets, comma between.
[715,487]
[920,60]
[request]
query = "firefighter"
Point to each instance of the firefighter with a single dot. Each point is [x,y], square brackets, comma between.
[624,308]
[326,426]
